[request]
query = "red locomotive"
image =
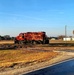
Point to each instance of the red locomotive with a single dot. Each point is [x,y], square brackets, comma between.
[32,37]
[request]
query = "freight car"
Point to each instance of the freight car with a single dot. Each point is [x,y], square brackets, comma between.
[32,37]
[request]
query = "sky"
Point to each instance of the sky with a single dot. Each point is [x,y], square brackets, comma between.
[51,16]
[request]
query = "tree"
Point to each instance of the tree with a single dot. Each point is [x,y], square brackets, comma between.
[7,37]
[61,36]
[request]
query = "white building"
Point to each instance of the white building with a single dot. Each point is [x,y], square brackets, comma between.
[67,39]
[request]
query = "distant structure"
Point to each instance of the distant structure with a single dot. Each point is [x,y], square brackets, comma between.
[73,32]
[68,38]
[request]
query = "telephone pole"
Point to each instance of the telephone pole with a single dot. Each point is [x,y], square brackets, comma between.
[73,32]
[65,31]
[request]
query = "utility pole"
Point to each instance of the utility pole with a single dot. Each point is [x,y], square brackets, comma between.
[73,32]
[65,31]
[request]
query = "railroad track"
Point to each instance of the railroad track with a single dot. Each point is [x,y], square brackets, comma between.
[13,46]
[7,46]
[16,46]
[61,44]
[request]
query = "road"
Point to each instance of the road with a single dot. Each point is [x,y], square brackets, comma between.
[65,68]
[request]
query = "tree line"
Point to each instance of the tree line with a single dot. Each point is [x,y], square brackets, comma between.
[6,37]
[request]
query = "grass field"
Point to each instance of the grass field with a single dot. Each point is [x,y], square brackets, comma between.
[10,57]
[60,41]
[7,42]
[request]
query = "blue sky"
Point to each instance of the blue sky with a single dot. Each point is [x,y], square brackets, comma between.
[51,16]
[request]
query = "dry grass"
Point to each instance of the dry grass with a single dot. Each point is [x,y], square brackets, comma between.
[9,57]
[6,42]
[60,41]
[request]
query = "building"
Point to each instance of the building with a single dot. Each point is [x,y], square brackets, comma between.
[68,39]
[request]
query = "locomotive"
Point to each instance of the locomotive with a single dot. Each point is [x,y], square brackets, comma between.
[32,37]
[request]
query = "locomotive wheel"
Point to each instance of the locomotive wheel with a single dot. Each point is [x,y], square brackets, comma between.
[34,42]
[21,42]
[39,42]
